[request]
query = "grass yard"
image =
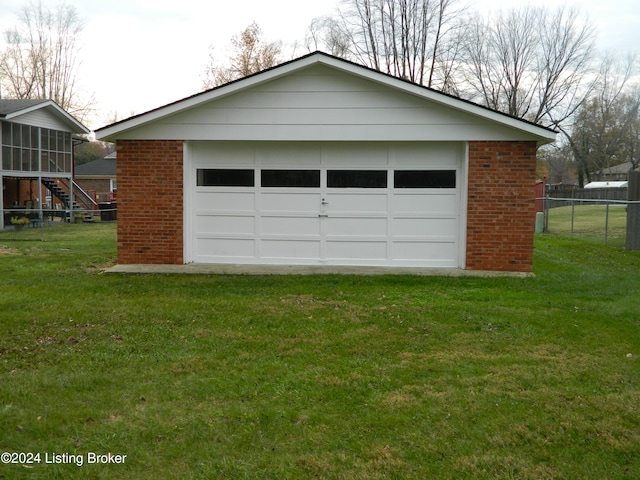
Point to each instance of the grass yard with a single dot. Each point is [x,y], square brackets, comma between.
[336,377]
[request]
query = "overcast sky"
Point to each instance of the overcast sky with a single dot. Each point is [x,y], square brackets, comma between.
[142,54]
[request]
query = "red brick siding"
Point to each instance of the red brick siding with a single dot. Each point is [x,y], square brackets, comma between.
[150,202]
[98,186]
[501,206]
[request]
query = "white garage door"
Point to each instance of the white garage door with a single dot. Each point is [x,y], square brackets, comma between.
[324,204]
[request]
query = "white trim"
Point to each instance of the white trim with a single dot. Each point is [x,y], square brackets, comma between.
[187,195]
[464,206]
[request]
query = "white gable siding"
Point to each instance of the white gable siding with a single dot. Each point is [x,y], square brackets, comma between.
[42,118]
[320,103]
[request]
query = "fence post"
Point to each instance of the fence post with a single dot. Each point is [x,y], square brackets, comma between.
[633,212]
[573,213]
[546,213]
[606,223]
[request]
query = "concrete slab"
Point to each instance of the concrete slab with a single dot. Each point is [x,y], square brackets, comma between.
[224,269]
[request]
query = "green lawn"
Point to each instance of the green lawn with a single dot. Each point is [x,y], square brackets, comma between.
[336,377]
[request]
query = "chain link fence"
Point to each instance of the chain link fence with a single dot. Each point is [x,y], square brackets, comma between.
[600,220]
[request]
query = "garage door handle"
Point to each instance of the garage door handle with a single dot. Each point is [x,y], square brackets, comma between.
[323,215]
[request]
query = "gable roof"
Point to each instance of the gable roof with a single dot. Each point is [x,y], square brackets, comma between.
[112,132]
[102,167]
[621,168]
[11,109]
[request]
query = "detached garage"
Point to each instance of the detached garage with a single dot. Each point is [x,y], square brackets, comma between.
[322,162]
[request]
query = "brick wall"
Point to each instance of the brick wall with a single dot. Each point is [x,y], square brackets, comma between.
[96,184]
[150,202]
[501,210]
[100,187]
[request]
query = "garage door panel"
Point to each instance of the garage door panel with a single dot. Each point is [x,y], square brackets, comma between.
[347,250]
[355,155]
[290,225]
[235,154]
[290,202]
[225,200]
[418,251]
[290,249]
[295,155]
[425,227]
[356,226]
[221,248]
[426,203]
[226,224]
[439,155]
[361,203]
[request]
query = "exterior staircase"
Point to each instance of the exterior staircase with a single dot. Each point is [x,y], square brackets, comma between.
[82,201]
[58,192]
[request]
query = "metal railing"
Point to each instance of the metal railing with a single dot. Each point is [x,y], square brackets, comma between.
[50,216]
[80,195]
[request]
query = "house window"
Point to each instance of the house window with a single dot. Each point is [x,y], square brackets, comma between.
[291,178]
[225,177]
[357,179]
[424,179]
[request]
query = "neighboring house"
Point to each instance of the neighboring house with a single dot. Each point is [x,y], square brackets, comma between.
[616,173]
[320,161]
[36,159]
[98,178]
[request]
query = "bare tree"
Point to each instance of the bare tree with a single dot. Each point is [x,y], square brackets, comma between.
[41,57]
[250,55]
[567,45]
[558,162]
[605,128]
[405,38]
[530,62]
[326,34]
